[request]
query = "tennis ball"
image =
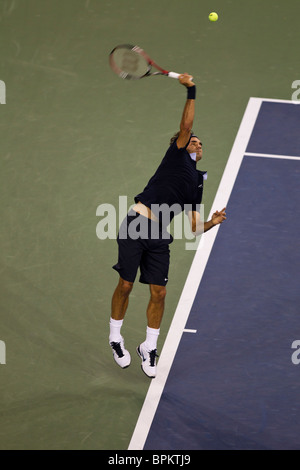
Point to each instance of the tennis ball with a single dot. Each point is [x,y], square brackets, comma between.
[213,16]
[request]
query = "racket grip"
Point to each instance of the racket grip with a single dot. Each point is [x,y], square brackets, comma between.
[174,75]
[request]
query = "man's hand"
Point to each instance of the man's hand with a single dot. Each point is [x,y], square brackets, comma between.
[198,227]
[219,217]
[186,80]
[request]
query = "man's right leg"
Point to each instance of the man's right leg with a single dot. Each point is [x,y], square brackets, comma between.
[120,301]
[129,257]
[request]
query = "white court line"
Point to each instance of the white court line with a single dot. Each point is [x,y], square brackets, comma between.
[194,278]
[273,100]
[268,155]
[189,331]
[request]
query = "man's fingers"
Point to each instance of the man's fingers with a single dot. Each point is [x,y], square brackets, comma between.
[186,79]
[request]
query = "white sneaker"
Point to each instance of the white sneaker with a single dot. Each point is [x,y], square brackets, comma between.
[148,360]
[121,355]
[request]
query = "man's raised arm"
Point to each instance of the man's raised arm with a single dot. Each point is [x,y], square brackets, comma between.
[188,114]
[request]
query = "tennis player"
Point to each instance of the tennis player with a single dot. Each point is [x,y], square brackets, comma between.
[143,240]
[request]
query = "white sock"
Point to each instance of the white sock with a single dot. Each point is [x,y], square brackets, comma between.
[151,338]
[115,330]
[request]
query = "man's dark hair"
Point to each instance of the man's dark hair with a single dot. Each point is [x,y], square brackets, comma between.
[175,136]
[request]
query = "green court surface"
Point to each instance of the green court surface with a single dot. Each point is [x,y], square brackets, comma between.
[75,136]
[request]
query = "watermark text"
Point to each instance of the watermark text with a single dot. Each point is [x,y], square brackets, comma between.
[112,223]
[2,352]
[296,354]
[296,94]
[2,92]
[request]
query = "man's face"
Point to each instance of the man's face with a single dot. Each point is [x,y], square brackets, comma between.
[195,146]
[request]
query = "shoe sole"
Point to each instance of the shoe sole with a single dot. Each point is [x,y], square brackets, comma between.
[125,367]
[139,354]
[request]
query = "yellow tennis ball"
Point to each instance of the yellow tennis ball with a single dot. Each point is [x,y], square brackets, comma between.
[213,16]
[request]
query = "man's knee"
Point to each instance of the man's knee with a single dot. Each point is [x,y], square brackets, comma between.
[125,287]
[158,293]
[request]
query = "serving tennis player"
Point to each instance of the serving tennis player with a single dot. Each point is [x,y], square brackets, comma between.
[143,241]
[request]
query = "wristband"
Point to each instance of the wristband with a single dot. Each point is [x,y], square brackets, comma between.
[191,93]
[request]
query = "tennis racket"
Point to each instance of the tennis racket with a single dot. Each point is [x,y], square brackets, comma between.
[132,63]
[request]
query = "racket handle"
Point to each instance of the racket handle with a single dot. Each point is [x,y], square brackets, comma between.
[174,75]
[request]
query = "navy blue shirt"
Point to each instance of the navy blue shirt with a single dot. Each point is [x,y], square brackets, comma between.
[176,183]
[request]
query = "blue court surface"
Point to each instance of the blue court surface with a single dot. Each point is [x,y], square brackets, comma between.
[226,379]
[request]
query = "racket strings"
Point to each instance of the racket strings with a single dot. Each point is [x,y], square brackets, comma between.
[129,63]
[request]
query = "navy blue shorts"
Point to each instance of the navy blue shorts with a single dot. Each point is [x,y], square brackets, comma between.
[143,244]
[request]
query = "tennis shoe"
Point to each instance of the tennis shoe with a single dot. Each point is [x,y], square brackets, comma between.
[148,360]
[121,355]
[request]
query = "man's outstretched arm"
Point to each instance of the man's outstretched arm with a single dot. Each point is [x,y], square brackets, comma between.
[188,114]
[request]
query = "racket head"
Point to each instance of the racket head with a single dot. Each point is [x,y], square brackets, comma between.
[127,61]
[131,62]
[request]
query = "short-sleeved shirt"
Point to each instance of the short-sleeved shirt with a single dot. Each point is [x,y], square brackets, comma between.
[176,183]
